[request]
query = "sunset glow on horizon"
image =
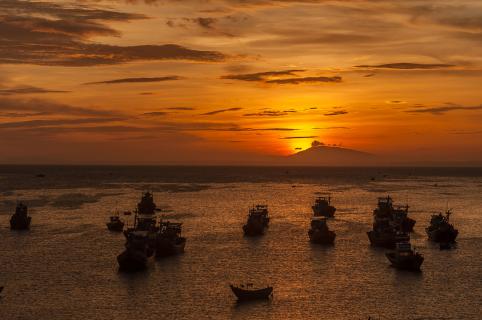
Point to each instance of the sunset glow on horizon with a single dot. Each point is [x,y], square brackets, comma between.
[227,81]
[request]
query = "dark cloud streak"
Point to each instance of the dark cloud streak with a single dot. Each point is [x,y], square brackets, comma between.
[136,80]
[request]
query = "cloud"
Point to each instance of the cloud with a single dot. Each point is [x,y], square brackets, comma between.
[48,107]
[55,122]
[181,108]
[305,80]
[462,132]
[336,113]
[293,39]
[261,76]
[27,90]
[298,137]
[444,109]
[206,23]
[270,113]
[54,34]
[407,66]
[220,111]
[316,143]
[155,113]
[136,80]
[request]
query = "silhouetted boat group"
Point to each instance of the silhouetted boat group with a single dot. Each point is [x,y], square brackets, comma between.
[391,229]
[148,236]
[152,236]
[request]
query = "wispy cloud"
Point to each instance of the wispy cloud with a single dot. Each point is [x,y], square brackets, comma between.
[407,66]
[55,34]
[56,122]
[336,113]
[261,76]
[270,113]
[334,79]
[444,109]
[210,113]
[27,90]
[136,80]
[49,107]
[299,137]
[181,108]
[155,113]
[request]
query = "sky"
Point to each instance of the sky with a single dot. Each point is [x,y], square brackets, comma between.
[238,81]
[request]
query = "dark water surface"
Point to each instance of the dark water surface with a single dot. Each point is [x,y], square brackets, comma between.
[65,267]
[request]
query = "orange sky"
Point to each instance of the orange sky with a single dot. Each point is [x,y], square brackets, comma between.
[227,81]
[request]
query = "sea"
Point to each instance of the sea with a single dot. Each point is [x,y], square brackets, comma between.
[65,267]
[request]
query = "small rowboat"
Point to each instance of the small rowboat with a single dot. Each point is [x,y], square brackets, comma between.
[247,292]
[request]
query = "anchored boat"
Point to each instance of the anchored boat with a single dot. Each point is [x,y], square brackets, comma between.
[323,207]
[169,241]
[404,258]
[115,223]
[388,220]
[249,292]
[20,220]
[440,229]
[258,220]
[319,232]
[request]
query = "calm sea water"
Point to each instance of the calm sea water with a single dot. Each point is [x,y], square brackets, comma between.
[65,266]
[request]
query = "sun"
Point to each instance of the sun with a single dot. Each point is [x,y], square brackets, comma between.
[303,138]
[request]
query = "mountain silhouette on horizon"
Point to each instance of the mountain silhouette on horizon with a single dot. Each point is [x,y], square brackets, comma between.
[325,155]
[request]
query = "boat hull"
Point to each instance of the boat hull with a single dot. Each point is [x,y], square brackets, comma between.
[408,224]
[410,263]
[116,227]
[446,236]
[253,229]
[384,240]
[319,237]
[245,295]
[166,247]
[132,261]
[20,223]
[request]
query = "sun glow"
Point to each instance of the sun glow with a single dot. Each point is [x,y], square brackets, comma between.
[306,133]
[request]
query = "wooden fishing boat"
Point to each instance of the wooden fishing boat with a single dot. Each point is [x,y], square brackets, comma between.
[249,292]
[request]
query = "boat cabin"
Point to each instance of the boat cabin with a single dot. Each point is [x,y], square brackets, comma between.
[323,201]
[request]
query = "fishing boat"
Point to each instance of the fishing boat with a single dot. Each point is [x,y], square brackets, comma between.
[115,223]
[141,237]
[388,220]
[319,232]
[20,220]
[404,258]
[397,214]
[249,292]
[258,220]
[440,229]
[323,207]
[383,234]
[169,241]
